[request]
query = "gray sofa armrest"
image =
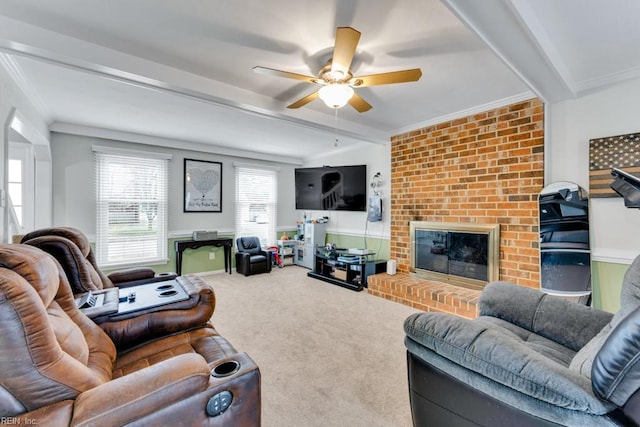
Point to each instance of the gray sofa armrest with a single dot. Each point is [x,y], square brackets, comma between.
[555,318]
[499,357]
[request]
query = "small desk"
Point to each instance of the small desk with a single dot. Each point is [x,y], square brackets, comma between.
[181,245]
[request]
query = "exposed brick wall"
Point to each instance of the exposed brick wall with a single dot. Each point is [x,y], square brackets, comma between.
[484,168]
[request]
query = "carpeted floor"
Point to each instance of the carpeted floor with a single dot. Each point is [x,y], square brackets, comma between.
[328,356]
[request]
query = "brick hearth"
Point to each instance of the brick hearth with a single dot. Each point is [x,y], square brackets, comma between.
[425,294]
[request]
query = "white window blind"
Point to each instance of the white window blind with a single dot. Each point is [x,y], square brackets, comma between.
[131,207]
[256,202]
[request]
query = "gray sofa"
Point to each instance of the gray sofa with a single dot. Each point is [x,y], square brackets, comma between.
[528,359]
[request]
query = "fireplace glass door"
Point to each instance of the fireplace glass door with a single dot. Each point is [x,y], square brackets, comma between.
[453,253]
[468,255]
[432,251]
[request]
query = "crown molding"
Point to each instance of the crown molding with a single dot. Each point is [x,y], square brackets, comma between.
[524,96]
[17,75]
[593,85]
[96,132]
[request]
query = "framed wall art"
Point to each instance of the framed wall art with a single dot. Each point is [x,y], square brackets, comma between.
[621,152]
[202,186]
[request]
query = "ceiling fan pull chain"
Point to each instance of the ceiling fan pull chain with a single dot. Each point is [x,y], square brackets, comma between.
[335,144]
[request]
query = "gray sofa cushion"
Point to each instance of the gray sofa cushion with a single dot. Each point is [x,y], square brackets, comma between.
[630,294]
[546,347]
[560,320]
[480,346]
[583,360]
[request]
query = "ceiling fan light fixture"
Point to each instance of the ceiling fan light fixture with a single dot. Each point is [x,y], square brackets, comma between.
[335,95]
[336,78]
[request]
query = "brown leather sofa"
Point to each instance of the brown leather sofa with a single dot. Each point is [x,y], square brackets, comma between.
[57,367]
[74,253]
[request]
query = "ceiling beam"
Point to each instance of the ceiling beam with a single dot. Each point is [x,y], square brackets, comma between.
[499,24]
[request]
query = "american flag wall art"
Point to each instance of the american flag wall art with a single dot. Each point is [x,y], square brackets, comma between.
[621,151]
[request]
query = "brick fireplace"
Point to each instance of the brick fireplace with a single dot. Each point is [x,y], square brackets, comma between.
[486,168]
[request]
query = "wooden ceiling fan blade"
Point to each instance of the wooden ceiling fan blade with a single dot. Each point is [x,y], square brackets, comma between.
[359,103]
[304,101]
[387,78]
[285,74]
[345,47]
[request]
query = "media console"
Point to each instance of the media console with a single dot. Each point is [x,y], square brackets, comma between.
[346,269]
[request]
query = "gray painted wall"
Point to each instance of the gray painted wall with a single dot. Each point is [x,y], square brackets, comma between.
[378,159]
[73,186]
[608,112]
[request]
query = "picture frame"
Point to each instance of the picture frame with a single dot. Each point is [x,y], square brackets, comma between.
[202,186]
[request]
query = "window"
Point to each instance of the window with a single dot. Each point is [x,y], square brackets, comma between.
[131,207]
[256,202]
[15,189]
[20,185]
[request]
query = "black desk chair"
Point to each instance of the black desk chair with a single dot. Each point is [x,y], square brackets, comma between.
[250,258]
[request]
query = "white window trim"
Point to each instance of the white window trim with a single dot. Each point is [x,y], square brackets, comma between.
[23,151]
[274,216]
[255,166]
[130,153]
[163,258]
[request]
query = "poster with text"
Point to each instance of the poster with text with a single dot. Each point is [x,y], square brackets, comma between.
[202,186]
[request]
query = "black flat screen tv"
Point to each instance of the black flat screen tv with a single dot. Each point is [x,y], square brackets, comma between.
[332,188]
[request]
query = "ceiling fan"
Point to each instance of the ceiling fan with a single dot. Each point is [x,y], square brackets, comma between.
[336,78]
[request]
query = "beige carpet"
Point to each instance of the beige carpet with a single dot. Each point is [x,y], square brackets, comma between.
[328,356]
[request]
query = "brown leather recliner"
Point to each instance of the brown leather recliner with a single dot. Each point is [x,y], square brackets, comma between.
[73,251]
[71,248]
[57,367]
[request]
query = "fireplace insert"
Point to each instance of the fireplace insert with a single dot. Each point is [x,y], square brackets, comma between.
[462,254]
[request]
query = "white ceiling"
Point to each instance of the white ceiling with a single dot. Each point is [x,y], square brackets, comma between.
[181,71]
